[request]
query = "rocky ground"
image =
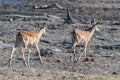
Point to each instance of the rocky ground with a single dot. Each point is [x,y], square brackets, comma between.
[103,50]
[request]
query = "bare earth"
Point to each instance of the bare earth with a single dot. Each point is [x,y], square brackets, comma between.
[103,50]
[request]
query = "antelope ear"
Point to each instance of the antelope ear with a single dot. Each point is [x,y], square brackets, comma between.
[43,24]
[43,27]
[94,22]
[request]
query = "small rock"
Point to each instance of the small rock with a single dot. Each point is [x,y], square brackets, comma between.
[114,73]
[87,59]
[92,60]
[38,75]
[57,50]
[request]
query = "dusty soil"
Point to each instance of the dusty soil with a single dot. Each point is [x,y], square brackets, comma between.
[103,50]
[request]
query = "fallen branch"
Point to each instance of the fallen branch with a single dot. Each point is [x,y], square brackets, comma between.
[69,19]
[18,15]
[55,5]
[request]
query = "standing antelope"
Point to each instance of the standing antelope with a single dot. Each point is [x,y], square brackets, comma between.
[79,35]
[26,37]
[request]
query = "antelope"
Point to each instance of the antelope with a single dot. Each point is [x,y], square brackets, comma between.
[79,35]
[25,37]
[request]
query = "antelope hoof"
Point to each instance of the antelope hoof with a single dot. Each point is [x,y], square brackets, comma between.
[41,62]
[75,61]
[10,62]
[25,63]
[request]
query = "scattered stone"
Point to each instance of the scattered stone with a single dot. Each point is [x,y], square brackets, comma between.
[43,52]
[58,60]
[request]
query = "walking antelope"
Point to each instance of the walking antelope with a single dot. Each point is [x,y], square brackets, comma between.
[79,35]
[25,37]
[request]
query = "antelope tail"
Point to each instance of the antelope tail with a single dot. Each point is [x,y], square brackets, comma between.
[18,39]
[73,37]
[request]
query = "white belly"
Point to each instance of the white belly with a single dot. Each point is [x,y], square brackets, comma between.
[31,42]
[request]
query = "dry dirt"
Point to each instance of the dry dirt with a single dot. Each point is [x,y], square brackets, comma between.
[103,50]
